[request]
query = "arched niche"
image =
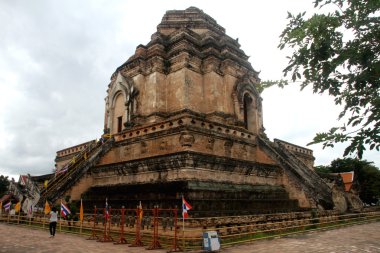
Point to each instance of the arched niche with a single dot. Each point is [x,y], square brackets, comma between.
[119,116]
[248,106]
[120,104]
[248,111]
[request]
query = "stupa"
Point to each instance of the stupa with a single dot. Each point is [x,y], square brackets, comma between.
[183,115]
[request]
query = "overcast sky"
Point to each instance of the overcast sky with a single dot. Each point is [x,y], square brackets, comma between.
[56,59]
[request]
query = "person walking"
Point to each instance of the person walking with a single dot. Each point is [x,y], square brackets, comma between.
[53,221]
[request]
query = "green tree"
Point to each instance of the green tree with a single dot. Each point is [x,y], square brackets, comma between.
[4,183]
[323,169]
[339,53]
[370,184]
[348,164]
[366,174]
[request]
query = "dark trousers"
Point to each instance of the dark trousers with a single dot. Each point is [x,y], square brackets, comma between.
[52,227]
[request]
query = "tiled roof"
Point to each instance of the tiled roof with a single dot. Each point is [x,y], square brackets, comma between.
[348,178]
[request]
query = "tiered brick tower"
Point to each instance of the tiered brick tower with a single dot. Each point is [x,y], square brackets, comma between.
[187,119]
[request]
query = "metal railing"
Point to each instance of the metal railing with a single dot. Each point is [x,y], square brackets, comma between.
[59,184]
[126,223]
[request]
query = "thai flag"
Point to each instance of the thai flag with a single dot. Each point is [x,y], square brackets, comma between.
[30,209]
[63,170]
[107,210]
[7,206]
[185,207]
[64,210]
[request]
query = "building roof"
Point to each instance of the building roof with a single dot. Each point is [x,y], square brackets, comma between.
[348,179]
[23,179]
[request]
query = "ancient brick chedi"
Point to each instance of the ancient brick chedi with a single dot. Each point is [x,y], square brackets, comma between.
[186,118]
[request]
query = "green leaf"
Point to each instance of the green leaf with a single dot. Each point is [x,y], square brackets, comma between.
[345,67]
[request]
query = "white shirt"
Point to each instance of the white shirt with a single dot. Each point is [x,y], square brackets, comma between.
[53,216]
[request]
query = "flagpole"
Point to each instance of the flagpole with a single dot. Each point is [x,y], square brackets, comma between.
[31,213]
[183,227]
[19,213]
[81,216]
[46,217]
[60,218]
[9,210]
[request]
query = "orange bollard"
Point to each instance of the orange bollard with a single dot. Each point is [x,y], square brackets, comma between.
[122,239]
[107,230]
[175,247]
[93,233]
[138,242]
[155,243]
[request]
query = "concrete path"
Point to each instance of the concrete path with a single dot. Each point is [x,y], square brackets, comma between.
[357,238]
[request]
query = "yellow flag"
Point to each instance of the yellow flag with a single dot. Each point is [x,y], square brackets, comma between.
[85,155]
[17,207]
[1,205]
[81,211]
[46,183]
[141,211]
[47,208]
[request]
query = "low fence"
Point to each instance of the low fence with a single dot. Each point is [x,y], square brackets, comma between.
[161,228]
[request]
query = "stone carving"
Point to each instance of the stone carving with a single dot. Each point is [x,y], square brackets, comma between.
[163,145]
[131,102]
[339,200]
[210,143]
[354,202]
[186,139]
[126,150]
[143,147]
[243,150]
[227,147]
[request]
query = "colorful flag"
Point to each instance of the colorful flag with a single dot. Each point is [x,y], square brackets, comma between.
[63,170]
[17,207]
[7,206]
[1,205]
[81,211]
[64,210]
[185,207]
[141,212]
[30,210]
[46,183]
[85,155]
[107,211]
[47,208]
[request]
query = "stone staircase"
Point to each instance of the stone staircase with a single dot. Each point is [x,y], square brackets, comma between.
[312,184]
[60,183]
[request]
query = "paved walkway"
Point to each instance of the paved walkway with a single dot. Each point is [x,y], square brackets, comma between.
[357,238]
